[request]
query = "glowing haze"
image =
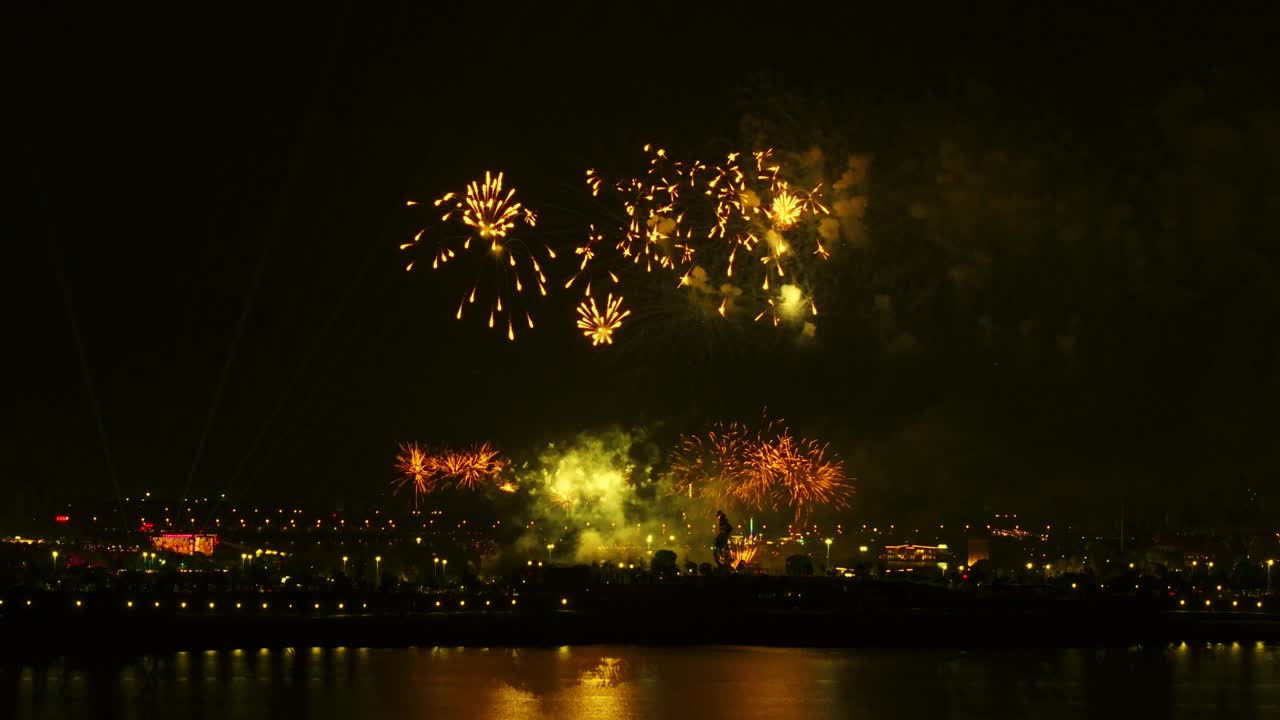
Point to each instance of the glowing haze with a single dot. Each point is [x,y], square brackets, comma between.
[607,495]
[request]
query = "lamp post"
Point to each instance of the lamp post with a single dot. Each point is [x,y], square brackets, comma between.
[435,567]
[444,567]
[828,541]
[344,564]
[550,547]
[55,560]
[1270,562]
[377,568]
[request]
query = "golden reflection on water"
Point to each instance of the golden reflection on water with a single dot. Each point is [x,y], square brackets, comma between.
[703,683]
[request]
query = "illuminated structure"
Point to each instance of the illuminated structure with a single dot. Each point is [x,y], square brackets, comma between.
[185,543]
[914,556]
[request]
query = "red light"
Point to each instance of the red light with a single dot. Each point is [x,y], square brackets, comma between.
[964,576]
[62,518]
[147,527]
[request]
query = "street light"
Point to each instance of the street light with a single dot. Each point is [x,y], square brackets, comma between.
[377,566]
[550,547]
[828,541]
[55,559]
[1270,562]
[344,564]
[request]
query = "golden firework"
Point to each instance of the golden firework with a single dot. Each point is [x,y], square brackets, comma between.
[742,553]
[414,463]
[785,211]
[600,326]
[489,214]
[739,220]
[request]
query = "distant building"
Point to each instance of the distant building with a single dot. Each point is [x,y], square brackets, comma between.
[185,543]
[979,549]
[914,556]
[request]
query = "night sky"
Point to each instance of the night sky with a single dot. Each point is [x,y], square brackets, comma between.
[1063,289]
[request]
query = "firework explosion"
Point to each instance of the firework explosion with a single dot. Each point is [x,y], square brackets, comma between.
[736,237]
[505,265]
[599,326]
[766,470]
[597,498]
[469,469]
[738,224]
[413,462]
[742,552]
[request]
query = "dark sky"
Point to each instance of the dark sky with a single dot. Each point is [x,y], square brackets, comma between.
[216,200]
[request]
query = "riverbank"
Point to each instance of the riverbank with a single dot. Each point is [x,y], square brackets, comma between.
[118,632]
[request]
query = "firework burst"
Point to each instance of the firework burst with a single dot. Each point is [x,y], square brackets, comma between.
[504,265]
[600,326]
[742,552]
[733,235]
[469,469]
[761,470]
[416,471]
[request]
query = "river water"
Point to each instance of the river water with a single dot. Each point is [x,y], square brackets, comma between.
[616,682]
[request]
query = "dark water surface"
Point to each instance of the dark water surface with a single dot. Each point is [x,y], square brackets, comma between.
[615,682]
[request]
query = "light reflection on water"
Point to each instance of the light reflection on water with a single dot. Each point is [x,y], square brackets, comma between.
[615,682]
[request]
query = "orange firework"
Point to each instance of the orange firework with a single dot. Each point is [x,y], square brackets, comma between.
[490,215]
[416,471]
[469,469]
[714,466]
[762,470]
[797,474]
[742,553]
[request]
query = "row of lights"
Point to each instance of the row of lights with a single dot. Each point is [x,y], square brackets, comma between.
[1209,603]
[341,606]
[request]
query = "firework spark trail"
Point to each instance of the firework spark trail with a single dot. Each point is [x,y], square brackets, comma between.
[489,216]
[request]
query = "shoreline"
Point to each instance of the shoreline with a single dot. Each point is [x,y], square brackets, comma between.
[59,634]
